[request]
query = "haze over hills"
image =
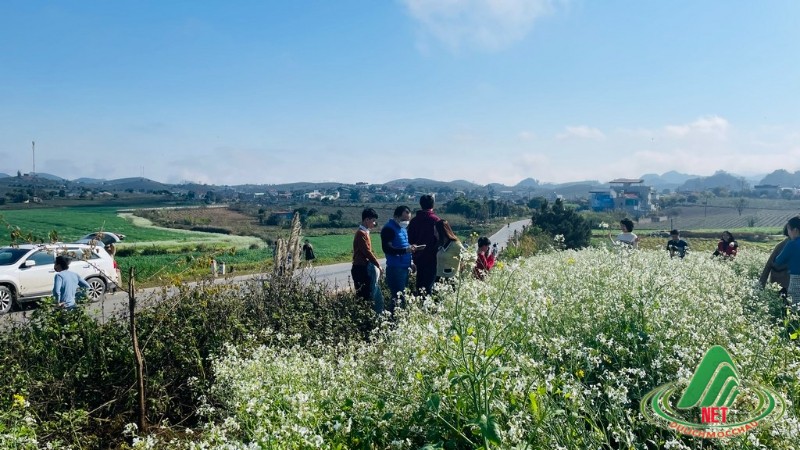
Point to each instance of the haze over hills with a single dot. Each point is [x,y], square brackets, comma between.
[671,180]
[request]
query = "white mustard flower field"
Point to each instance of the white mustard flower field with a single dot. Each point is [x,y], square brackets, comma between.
[550,352]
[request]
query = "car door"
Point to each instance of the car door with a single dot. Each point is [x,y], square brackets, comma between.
[84,263]
[37,280]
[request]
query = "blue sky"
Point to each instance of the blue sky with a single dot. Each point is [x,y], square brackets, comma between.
[482,90]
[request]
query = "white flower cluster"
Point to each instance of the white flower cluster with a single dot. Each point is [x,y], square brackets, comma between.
[550,352]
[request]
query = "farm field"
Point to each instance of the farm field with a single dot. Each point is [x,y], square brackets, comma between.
[696,217]
[75,222]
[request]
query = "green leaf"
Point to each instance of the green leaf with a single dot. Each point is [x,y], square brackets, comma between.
[489,429]
[458,378]
[496,350]
[534,399]
[433,403]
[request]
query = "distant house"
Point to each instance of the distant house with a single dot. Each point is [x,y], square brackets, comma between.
[602,199]
[624,193]
[769,190]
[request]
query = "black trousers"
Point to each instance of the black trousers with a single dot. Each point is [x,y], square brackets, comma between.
[426,275]
[362,281]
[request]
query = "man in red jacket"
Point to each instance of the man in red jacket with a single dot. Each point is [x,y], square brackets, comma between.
[420,233]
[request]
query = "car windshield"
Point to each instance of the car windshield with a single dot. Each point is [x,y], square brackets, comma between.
[10,256]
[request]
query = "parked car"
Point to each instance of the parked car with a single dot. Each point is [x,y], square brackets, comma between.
[26,271]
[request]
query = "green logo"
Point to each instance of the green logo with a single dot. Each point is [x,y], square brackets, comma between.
[727,406]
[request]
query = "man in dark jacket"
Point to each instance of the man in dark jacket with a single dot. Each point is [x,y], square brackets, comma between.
[420,233]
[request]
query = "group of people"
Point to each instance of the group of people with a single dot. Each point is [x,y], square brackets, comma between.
[424,244]
[726,247]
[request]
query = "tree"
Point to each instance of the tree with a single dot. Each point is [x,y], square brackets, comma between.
[556,219]
[741,204]
[537,202]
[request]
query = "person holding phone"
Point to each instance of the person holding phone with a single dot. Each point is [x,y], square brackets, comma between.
[398,251]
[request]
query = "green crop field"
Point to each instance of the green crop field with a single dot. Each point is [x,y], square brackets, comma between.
[339,247]
[73,223]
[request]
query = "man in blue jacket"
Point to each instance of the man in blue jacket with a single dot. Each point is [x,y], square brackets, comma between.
[395,245]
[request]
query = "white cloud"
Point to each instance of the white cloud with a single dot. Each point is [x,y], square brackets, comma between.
[485,24]
[582,132]
[526,136]
[709,125]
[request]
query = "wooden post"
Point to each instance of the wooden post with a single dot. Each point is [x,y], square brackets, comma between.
[137,354]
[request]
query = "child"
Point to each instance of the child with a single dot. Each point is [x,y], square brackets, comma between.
[676,245]
[485,258]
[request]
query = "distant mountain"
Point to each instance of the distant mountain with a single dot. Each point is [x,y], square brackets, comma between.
[667,180]
[4,175]
[720,179]
[48,176]
[90,180]
[568,190]
[782,178]
[528,183]
[136,184]
[424,183]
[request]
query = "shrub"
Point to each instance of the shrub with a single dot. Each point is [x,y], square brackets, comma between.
[556,219]
[70,367]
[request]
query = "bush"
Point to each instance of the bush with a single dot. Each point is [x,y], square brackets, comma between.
[556,219]
[68,366]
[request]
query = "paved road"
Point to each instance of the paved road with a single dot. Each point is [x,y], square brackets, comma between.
[335,275]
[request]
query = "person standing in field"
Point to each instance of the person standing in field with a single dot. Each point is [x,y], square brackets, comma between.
[398,251]
[366,270]
[485,260]
[448,255]
[308,252]
[774,273]
[790,256]
[66,283]
[626,236]
[727,246]
[421,234]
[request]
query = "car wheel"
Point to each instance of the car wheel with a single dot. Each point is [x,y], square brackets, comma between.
[96,290]
[6,299]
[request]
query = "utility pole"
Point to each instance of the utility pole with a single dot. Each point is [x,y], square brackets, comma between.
[33,150]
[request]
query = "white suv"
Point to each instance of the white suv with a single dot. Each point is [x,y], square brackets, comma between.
[26,271]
